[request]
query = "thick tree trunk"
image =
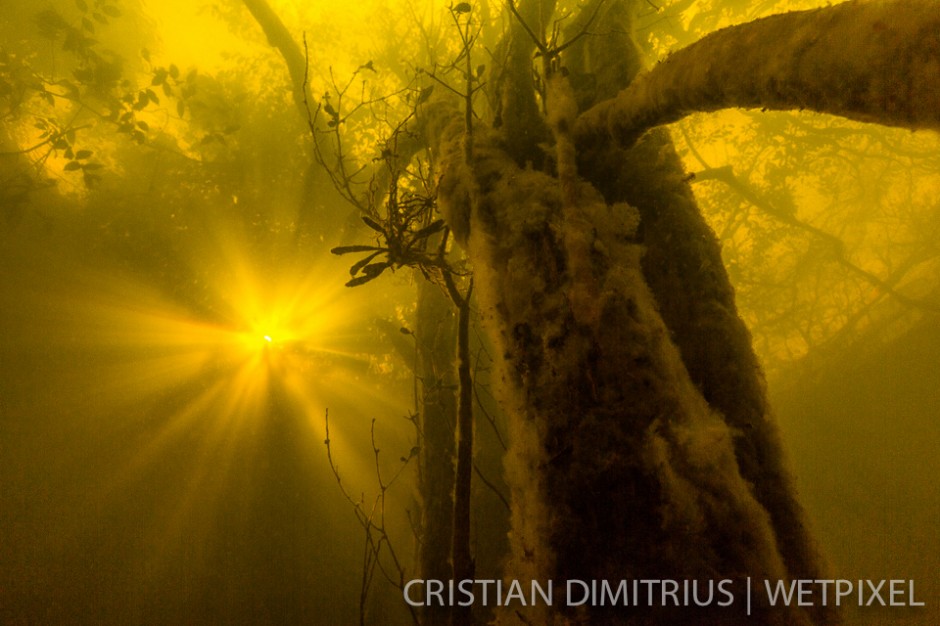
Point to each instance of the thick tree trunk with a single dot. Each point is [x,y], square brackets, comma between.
[620,469]
[520,116]
[683,268]
[642,446]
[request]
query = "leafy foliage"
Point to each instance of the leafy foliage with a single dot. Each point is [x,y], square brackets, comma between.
[404,233]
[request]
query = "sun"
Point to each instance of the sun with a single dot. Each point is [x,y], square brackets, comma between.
[264,337]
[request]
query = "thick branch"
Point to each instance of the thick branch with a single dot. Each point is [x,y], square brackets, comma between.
[521,117]
[872,62]
[280,38]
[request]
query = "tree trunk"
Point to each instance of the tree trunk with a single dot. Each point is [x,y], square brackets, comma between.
[642,446]
[619,467]
[435,330]
[461,556]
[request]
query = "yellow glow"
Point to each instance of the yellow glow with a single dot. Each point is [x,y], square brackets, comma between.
[265,342]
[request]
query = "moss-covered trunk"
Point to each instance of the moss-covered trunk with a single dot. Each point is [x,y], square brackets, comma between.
[642,446]
[619,466]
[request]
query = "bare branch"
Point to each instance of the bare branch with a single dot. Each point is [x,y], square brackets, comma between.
[537,40]
[726,175]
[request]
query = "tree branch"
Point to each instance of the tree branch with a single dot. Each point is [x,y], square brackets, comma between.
[871,62]
[726,175]
[280,38]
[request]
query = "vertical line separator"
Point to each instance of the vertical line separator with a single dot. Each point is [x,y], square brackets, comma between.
[748,596]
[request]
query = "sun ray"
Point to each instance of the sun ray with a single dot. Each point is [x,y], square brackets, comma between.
[178,397]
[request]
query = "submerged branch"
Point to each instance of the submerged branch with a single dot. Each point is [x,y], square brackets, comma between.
[280,38]
[870,62]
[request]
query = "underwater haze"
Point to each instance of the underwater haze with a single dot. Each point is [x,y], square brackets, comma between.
[302,301]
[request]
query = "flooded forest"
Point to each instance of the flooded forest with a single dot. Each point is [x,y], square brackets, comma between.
[571,312]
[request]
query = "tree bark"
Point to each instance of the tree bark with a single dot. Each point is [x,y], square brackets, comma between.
[619,467]
[520,118]
[683,268]
[867,61]
[435,329]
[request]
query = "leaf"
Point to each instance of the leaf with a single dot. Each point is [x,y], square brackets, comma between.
[425,94]
[340,250]
[153,96]
[83,154]
[174,71]
[91,180]
[142,125]
[375,269]
[92,166]
[72,165]
[82,5]
[50,23]
[430,229]
[144,52]
[111,10]
[463,7]
[359,280]
[362,263]
[88,25]
[371,223]
[367,66]
[180,108]
[370,272]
